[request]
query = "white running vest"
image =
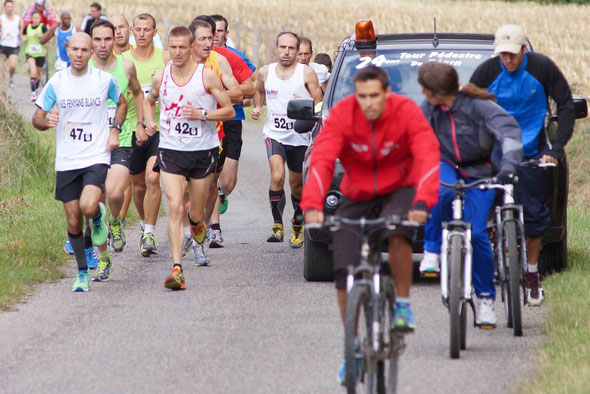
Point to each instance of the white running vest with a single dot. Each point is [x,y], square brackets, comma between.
[176,132]
[278,93]
[10,32]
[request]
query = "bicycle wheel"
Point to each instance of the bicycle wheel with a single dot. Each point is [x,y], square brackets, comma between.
[464,310]
[514,271]
[456,268]
[358,339]
[392,341]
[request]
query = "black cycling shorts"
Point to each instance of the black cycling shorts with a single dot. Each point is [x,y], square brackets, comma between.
[191,165]
[141,154]
[9,51]
[121,156]
[347,243]
[292,155]
[233,139]
[69,184]
[39,61]
[222,156]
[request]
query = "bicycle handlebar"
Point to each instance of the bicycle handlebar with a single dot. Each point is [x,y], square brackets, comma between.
[334,222]
[535,163]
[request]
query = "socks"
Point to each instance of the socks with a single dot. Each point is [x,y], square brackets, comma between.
[34,85]
[533,268]
[98,214]
[87,235]
[298,213]
[77,243]
[215,226]
[187,231]
[403,302]
[277,204]
[143,225]
[150,228]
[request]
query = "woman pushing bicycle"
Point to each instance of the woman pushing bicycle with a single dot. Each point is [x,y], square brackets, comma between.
[468,123]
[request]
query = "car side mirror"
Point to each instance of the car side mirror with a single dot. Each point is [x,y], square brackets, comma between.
[580,107]
[302,109]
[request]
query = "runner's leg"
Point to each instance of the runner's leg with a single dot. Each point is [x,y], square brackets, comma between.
[174,187]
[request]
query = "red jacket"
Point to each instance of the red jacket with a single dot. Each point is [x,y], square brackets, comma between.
[398,150]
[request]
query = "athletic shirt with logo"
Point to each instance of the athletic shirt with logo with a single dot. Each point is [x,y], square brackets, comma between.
[10,31]
[62,38]
[34,47]
[122,82]
[278,93]
[82,130]
[145,73]
[176,132]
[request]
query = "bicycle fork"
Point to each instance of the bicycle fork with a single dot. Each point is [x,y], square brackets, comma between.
[444,264]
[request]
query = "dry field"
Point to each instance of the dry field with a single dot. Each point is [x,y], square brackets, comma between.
[557,31]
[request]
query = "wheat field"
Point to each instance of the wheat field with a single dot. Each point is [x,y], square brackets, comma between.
[554,30]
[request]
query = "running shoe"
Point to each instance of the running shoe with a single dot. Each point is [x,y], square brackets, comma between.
[296,239]
[403,318]
[105,267]
[176,279]
[186,246]
[68,247]
[91,258]
[118,237]
[11,82]
[141,240]
[33,99]
[148,245]
[99,228]
[201,259]
[486,314]
[81,283]
[357,367]
[199,232]
[277,234]
[216,239]
[223,203]
[534,292]
[429,266]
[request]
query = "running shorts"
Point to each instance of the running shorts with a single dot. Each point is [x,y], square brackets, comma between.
[69,184]
[141,154]
[121,156]
[191,165]
[292,155]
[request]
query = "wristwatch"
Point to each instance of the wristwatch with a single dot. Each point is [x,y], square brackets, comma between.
[142,122]
[117,126]
[205,114]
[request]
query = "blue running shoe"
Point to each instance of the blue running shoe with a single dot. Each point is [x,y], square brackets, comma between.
[91,258]
[342,371]
[68,247]
[403,318]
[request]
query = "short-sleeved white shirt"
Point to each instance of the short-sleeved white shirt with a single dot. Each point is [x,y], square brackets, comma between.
[83,129]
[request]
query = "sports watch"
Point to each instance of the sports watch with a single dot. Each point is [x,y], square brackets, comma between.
[205,114]
[117,126]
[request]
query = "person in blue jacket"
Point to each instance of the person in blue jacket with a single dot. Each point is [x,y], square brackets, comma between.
[522,81]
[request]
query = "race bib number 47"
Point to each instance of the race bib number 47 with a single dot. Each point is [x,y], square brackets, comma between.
[78,132]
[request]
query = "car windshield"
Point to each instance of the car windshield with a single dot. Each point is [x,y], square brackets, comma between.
[402,66]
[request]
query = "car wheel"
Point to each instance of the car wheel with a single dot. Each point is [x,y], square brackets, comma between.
[317,263]
[553,257]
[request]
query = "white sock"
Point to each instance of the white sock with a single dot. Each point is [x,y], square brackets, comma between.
[403,300]
[143,224]
[150,228]
[533,268]
[187,231]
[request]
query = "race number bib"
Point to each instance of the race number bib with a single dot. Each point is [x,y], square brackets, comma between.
[185,128]
[111,111]
[283,123]
[146,87]
[78,132]
[35,49]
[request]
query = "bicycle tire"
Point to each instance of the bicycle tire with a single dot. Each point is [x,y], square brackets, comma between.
[464,307]
[358,305]
[456,272]
[514,270]
[394,345]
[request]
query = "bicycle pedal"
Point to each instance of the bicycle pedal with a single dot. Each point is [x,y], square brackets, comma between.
[487,326]
[429,274]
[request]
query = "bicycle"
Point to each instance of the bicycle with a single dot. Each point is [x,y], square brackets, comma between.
[370,301]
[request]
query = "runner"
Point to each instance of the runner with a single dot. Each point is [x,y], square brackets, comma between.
[48,17]
[146,182]
[34,51]
[103,33]
[10,27]
[121,34]
[277,84]
[84,142]
[304,57]
[189,94]
[94,16]
[62,30]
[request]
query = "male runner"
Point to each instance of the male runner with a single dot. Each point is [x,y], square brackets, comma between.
[10,27]
[123,70]
[278,83]
[189,94]
[84,142]
[93,16]
[62,30]
[146,182]
[304,57]
[121,34]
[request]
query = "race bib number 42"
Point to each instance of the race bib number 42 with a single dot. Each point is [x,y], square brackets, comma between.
[282,123]
[78,132]
[185,128]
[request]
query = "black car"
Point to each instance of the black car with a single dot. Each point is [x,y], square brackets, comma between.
[401,55]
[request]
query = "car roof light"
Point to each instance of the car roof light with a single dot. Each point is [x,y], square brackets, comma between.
[365,35]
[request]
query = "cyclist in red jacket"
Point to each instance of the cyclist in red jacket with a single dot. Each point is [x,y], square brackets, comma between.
[391,161]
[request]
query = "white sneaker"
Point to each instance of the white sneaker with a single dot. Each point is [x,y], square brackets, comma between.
[429,263]
[216,240]
[486,315]
[186,246]
[33,96]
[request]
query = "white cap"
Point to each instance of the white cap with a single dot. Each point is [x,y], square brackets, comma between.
[509,38]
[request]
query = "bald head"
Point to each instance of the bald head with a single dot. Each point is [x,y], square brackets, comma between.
[121,32]
[80,38]
[119,19]
[79,51]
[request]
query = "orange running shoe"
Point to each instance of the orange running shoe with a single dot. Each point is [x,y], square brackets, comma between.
[176,279]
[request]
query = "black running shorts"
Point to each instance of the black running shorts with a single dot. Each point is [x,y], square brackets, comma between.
[8,51]
[121,156]
[194,165]
[69,184]
[39,61]
[141,154]
[233,139]
[222,156]
[347,244]
[293,155]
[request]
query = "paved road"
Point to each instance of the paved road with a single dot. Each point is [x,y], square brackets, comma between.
[248,323]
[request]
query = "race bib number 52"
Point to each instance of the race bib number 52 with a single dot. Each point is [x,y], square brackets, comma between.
[78,132]
[282,123]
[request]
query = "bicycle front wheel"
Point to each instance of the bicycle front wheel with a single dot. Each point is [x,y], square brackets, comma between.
[514,274]
[456,273]
[393,342]
[358,356]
